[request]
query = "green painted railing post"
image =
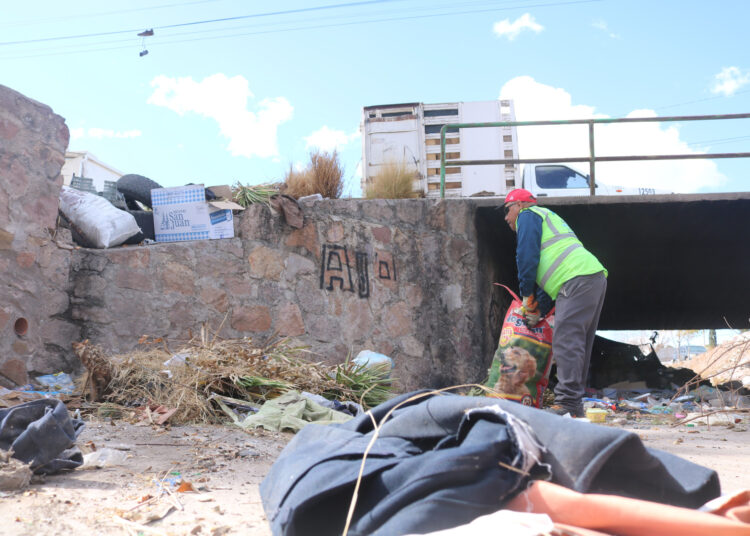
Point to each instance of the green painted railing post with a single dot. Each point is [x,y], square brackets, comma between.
[592,162]
[442,161]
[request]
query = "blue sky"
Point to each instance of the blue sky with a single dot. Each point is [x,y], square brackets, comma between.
[243,99]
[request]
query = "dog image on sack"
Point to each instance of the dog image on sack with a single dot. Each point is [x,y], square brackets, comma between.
[516,368]
[523,359]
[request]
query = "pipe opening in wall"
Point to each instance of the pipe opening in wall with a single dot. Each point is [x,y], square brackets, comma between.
[21,327]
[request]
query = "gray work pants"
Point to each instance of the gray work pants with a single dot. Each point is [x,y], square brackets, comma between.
[579,304]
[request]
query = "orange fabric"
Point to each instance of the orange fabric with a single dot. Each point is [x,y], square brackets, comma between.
[626,517]
[735,507]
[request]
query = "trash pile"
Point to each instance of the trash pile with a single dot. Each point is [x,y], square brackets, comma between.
[626,384]
[702,405]
[206,381]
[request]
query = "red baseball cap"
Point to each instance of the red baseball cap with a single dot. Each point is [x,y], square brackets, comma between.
[518,195]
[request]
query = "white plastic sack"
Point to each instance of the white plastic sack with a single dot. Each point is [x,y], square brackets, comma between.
[103,224]
[105,457]
[368,358]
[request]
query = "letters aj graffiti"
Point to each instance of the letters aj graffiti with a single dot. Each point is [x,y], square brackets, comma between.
[336,270]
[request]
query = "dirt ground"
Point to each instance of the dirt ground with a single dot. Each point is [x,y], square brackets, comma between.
[225,466]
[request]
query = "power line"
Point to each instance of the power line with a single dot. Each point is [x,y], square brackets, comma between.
[720,141]
[700,100]
[208,21]
[104,13]
[307,27]
[694,101]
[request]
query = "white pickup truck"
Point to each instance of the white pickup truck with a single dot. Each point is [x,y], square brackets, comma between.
[557,180]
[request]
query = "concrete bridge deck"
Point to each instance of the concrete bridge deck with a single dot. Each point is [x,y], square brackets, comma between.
[679,261]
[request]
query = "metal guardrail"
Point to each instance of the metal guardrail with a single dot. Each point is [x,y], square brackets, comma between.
[592,159]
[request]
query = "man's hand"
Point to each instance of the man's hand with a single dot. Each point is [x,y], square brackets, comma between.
[530,304]
[531,314]
[531,319]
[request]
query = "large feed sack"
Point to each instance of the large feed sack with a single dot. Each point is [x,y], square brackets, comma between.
[521,365]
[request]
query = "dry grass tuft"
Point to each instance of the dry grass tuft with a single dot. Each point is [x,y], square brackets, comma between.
[323,175]
[395,180]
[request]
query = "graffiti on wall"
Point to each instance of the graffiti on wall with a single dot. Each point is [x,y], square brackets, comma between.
[350,271]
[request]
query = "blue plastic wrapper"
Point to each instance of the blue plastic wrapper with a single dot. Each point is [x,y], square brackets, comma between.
[60,383]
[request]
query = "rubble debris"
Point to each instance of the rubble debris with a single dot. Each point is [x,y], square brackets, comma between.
[14,474]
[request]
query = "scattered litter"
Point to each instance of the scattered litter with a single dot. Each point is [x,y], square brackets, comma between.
[291,412]
[596,415]
[60,383]
[155,414]
[105,457]
[42,434]
[185,487]
[176,361]
[101,223]
[368,358]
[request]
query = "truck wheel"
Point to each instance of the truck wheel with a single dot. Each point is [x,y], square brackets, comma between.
[136,188]
[145,220]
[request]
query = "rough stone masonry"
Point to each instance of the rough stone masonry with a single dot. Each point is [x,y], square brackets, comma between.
[397,277]
[34,333]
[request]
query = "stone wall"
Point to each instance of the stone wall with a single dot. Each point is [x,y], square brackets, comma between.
[398,277]
[34,261]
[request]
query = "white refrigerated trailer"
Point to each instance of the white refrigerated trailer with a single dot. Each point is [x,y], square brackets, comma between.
[409,133]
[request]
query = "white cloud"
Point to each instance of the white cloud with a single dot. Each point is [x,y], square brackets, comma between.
[511,30]
[602,25]
[327,139]
[225,100]
[535,101]
[729,80]
[101,133]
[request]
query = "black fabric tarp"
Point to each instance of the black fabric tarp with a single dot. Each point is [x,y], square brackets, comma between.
[42,434]
[431,469]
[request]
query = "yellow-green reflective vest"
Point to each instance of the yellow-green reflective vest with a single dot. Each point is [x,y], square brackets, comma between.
[562,256]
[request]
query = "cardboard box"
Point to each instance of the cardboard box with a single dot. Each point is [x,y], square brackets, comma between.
[182,213]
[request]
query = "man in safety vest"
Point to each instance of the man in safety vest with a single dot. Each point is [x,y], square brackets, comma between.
[552,262]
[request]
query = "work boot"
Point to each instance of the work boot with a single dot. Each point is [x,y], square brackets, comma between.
[562,410]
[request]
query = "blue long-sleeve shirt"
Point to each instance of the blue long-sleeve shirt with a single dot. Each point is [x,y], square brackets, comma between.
[529,227]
